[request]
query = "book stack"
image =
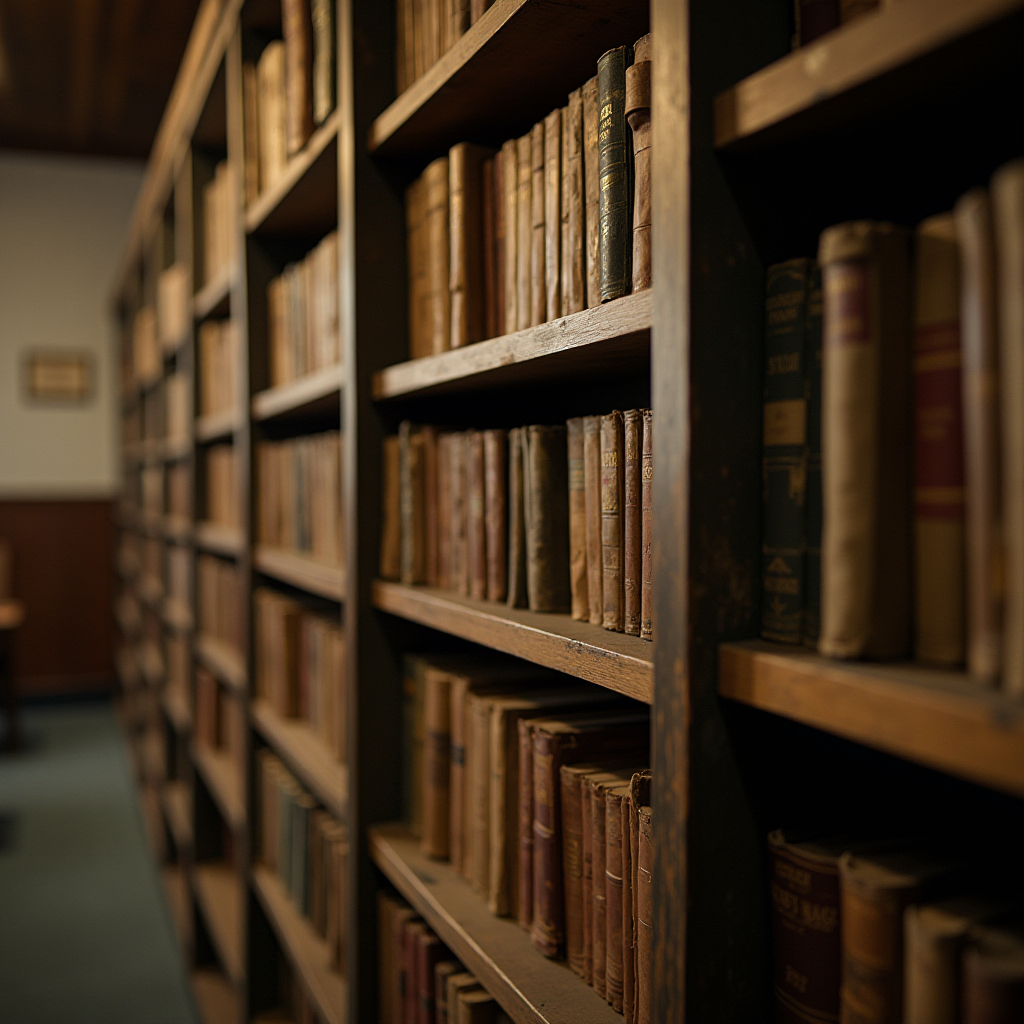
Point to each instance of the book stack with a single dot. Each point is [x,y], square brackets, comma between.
[219,718]
[300,495]
[219,596]
[218,224]
[554,223]
[302,314]
[218,363]
[553,518]
[179,491]
[153,490]
[420,979]
[177,407]
[173,310]
[287,92]
[222,485]
[885,930]
[813,18]
[300,666]
[307,849]
[147,360]
[534,786]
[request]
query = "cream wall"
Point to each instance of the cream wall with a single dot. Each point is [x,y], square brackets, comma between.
[63,221]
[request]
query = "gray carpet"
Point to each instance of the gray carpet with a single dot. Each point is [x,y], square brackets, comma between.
[85,933]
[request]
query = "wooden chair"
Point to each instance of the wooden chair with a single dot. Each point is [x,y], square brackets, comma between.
[12,614]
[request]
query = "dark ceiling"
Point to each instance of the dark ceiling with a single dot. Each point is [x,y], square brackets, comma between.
[88,76]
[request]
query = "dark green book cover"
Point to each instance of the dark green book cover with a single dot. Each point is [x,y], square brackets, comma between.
[784,457]
[812,558]
[614,174]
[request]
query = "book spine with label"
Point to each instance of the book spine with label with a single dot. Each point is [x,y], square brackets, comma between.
[591,194]
[592,510]
[476,528]
[437,249]
[517,592]
[437,763]
[574,291]
[632,526]
[646,524]
[323,60]
[580,607]
[612,480]
[553,129]
[538,292]
[638,117]
[509,199]
[466,234]
[546,501]
[615,178]
[297,28]
[496,512]
[812,507]
[524,230]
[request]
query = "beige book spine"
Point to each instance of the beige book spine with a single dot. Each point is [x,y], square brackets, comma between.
[574,289]
[553,214]
[592,512]
[510,201]
[524,230]
[437,763]
[436,180]
[538,297]
[465,169]
[592,194]
[477,781]
[391,521]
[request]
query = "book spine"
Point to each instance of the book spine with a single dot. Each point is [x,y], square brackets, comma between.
[615,186]
[457,776]
[580,606]
[592,201]
[574,285]
[525,824]
[644,915]
[478,782]
[632,421]
[510,205]
[461,20]
[572,869]
[538,294]
[599,896]
[499,242]
[411,498]
[415,198]
[553,214]
[437,248]
[443,514]
[476,530]
[490,169]
[503,811]
[612,480]
[812,507]
[628,930]
[428,953]
[465,162]
[517,593]
[592,512]
[524,230]
[459,581]
[546,501]
[547,931]
[587,887]
[391,520]
[993,989]
[323,60]
[428,440]
[297,28]
[938,448]
[496,512]
[784,456]
[251,132]
[638,116]
[613,898]
[646,524]
[932,962]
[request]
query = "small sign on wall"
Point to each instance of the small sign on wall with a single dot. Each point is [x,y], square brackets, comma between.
[52,376]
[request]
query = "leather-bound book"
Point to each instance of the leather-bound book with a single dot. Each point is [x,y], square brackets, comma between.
[814,18]
[980,374]
[477,791]
[415,236]
[615,173]
[526,896]
[517,592]
[499,244]
[510,207]
[442,972]
[812,505]
[414,668]
[457,984]
[538,296]
[297,28]
[490,168]
[323,59]
[784,452]
[477,1006]
[524,230]
[574,282]
[866,441]
[553,214]
[638,117]
[476,531]
[414,929]
[437,219]
[593,796]
[632,439]
[938,448]
[410,455]
[614,866]
[612,483]
[591,193]
[643,902]
[592,512]
[546,502]
[391,516]
[270,76]
[580,608]
[386,906]
[428,439]
[444,511]
[628,928]
[251,132]
[437,762]
[459,580]
[466,233]
[646,525]
[993,976]
[496,512]
[429,952]
[1008,222]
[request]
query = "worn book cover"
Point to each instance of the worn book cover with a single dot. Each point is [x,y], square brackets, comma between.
[323,59]
[553,214]
[612,540]
[496,512]
[646,526]
[538,293]
[546,503]
[632,425]
[524,230]
[638,117]
[517,592]
[466,239]
[390,519]
[510,204]
[574,288]
[592,512]
[577,523]
[437,251]
[297,27]
[591,192]
[476,530]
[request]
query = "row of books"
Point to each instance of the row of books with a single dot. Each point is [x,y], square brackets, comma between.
[518,777]
[889,931]
[287,92]
[300,666]
[302,314]
[219,224]
[554,518]
[219,596]
[222,485]
[300,495]
[426,29]
[307,849]
[421,982]
[554,223]
[219,357]
[915,416]
[173,306]
[813,18]
[219,719]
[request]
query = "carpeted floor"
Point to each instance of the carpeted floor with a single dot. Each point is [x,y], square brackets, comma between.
[85,934]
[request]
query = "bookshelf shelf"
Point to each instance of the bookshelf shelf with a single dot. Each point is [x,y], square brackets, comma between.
[530,988]
[214,298]
[455,99]
[608,338]
[219,540]
[216,999]
[939,719]
[218,893]
[308,953]
[177,711]
[223,661]
[306,754]
[222,779]
[317,394]
[301,201]
[613,660]
[177,805]
[217,426]
[300,571]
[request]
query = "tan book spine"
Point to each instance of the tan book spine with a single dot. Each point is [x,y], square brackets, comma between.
[437,758]
[526,895]
[459,581]
[644,915]
[546,502]
[638,116]
[416,237]
[592,509]
[613,870]
[271,107]
[499,242]
[444,511]
[410,454]
[866,439]
[503,807]
[477,781]
[553,214]
[390,520]
[476,529]
[538,295]
[524,230]
[572,856]
[490,169]
[580,607]
[587,884]
[599,896]
[436,185]
[457,834]
[510,205]
[628,930]
[646,525]
[251,131]
[612,482]
[460,21]
[429,439]
[419,39]
[517,592]
[592,194]
[466,233]
[574,282]
[496,512]
[563,213]
[297,26]
[631,527]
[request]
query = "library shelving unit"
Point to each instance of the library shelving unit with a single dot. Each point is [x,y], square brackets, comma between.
[756,149]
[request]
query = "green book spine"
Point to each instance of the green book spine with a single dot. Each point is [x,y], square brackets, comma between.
[784,458]
[614,174]
[812,563]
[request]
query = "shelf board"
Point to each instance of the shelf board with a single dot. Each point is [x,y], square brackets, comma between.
[214,299]
[224,782]
[216,426]
[218,892]
[612,337]
[219,539]
[307,952]
[613,660]
[300,571]
[216,998]
[455,99]
[802,86]
[939,719]
[530,988]
[177,805]
[313,395]
[176,709]
[306,754]
[223,661]
[295,203]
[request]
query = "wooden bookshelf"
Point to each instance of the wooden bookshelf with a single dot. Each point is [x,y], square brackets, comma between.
[218,539]
[316,394]
[214,298]
[176,799]
[216,998]
[217,426]
[220,773]
[300,571]
[218,893]
[223,661]
[613,660]
[306,951]
[530,988]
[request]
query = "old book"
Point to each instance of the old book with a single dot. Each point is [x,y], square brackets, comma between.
[495,444]
[980,373]
[477,1006]
[458,507]
[414,669]
[580,607]
[993,976]
[458,984]
[251,132]
[444,511]
[538,296]
[866,435]
[391,517]
[442,972]
[546,504]
[510,207]
[517,592]
[612,484]
[812,503]
[574,291]
[429,953]
[414,929]
[498,246]
[270,105]
[593,796]
[524,230]
[553,214]
[592,513]
[489,170]
[411,503]
[784,452]
[632,435]
[615,173]
[1008,222]
[938,448]
[415,236]
[297,28]
[646,525]
[638,117]
[614,867]
[437,762]
[436,229]
[591,194]
[644,904]
[428,440]
[466,213]
[323,60]
[628,924]
[476,530]
[525,871]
